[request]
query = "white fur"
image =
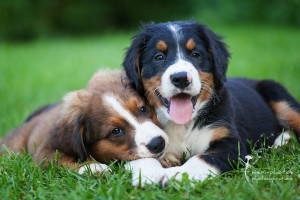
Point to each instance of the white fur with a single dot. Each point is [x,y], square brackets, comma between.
[113,102]
[95,168]
[149,170]
[175,29]
[169,90]
[282,139]
[183,138]
[196,169]
[144,132]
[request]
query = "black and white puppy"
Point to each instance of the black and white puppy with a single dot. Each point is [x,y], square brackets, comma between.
[180,67]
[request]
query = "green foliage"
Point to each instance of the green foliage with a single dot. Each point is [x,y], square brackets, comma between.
[276,12]
[273,174]
[29,19]
[36,73]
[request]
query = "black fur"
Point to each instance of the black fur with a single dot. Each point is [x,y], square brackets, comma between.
[239,105]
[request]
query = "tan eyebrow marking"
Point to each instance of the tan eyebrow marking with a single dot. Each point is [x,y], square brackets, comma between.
[161,45]
[190,45]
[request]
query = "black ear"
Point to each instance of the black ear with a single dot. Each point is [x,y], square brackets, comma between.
[69,140]
[132,61]
[218,55]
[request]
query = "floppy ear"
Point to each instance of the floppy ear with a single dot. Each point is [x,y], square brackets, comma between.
[132,61]
[69,132]
[218,55]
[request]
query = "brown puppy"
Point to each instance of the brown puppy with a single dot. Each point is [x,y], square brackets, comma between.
[106,121]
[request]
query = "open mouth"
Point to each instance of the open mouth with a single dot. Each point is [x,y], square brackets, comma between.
[180,107]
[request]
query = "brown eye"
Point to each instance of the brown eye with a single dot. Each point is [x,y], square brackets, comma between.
[144,110]
[159,57]
[196,55]
[117,132]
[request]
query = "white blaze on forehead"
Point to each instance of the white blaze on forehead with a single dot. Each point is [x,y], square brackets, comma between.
[175,29]
[144,132]
[112,101]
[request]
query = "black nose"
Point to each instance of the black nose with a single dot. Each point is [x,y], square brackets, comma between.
[180,80]
[156,145]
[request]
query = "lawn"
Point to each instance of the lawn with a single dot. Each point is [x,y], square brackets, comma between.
[40,72]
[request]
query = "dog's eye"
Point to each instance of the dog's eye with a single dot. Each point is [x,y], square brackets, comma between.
[144,110]
[117,132]
[196,55]
[159,57]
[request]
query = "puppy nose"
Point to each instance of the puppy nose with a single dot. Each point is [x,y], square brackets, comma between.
[156,145]
[181,79]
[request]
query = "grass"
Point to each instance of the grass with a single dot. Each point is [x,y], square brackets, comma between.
[40,72]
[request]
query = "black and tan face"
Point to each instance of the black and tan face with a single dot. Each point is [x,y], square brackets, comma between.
[179,67]
[118,125]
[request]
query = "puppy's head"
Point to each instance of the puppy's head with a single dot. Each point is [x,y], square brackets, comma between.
[108,121]
[178,65]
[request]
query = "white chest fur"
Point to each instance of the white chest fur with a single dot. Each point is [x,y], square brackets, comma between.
[185,139]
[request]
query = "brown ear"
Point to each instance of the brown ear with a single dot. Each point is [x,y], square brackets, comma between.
[68,134]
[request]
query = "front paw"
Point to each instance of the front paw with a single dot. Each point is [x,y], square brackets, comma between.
[170,160]
[94,168]
[176,174]
[195,168]
[145,171]
[148,176]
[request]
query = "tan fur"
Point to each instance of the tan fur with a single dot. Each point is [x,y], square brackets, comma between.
[151,85]
[286,114]
[207,81]
[190,45]
[73,103]
[62,127]
[161,45]
[42,128]
[219,133]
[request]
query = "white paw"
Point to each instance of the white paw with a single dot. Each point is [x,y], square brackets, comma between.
[148,176]
[170,160]
[145,171]
[95,168]
[195,168]
[282,139]
[177,173]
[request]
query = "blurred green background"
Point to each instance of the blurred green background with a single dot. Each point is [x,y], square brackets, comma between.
[50,47]
[29,19]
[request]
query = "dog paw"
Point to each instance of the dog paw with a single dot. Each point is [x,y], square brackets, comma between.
[194,168]
[176,173]
[148,176]
[282,139]
[170,160]
[94,168]
[145,171]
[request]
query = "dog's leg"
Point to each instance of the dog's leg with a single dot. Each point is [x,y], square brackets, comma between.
[214,161]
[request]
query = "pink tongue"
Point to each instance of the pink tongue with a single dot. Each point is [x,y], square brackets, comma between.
[181,109]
